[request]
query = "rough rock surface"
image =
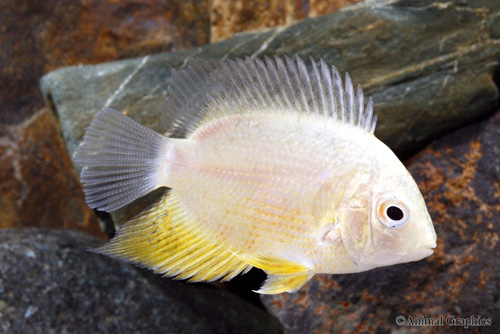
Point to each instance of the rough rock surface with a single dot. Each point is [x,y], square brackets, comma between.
[426,73]
[98,31]
[49,283]
[93,32]
[33,43]
[38,184]
[459,176]
[228,17]
[37,181]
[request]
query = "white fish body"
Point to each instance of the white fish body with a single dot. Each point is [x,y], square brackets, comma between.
[279,169]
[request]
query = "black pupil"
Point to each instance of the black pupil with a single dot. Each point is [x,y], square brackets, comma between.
[395,213]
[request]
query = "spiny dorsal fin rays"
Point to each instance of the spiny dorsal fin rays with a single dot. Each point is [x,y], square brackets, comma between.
[338,95]
[288,90]
[248,85]
[276,83]
[327,84]
[208,90]
[269,90]
[298,86]
[308,90]
[264,84]
[189,90]
[319,87]
[359,106]
[349,98]
[372,117]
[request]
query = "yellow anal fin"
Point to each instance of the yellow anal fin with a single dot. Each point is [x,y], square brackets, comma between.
[274,264]
[283,275]
[284,283]
[165,240]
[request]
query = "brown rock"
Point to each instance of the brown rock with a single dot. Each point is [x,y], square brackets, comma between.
[39,185]
[459,176]
[228,17]
[36,37]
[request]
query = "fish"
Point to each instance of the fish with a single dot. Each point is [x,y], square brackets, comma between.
[269,163]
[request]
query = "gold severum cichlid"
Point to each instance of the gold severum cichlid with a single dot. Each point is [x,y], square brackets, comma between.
[278,169]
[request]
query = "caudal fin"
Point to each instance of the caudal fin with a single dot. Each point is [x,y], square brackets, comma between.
[121,160]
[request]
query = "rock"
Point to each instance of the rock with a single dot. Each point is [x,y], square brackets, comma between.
[459,176]
[65,289]
[39,185]
[106,31]
[93,32]
[426,73]
[230,17]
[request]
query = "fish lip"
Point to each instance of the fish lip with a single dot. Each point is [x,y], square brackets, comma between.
[428,246]
[419,252]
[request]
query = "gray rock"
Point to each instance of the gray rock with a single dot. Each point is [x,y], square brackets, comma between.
[459,176]
[49,283]
[426,73]
[428,66]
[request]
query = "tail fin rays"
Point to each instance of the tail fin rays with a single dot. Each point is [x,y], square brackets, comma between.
[121,160]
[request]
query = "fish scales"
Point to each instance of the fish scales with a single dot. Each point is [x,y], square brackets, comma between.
[270,164]
[258,176]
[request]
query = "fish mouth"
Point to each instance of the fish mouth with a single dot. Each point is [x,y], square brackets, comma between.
[419,252]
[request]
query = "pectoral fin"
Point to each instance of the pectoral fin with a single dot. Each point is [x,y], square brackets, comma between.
[283,275]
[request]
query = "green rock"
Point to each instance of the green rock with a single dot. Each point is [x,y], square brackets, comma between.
[429,67]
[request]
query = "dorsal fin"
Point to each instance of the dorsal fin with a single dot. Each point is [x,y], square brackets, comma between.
[210,89]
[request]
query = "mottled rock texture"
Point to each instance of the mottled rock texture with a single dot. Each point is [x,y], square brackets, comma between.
[426,73]
[39,186]
[49,283]
[39,36]
[228,17]
[42,35]
[459,176]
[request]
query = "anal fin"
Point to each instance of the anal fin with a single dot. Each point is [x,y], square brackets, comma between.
[165,240]
[284,283]
[283,275]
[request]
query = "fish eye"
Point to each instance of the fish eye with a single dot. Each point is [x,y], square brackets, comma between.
[392,212]
[395,213]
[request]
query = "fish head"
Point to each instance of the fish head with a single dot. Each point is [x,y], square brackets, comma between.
[386,221]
